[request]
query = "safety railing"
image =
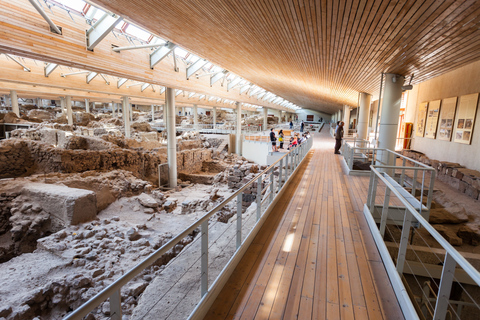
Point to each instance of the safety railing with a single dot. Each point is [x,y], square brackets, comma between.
[431,279]
[268,191]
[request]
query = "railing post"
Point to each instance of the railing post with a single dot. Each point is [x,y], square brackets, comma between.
[374,193]
[402,176]
[239,219]
[370,187]
[204,260]
[383,218]
[259,197]
[402,249]
[286,167]
[272,186]
[445,287]
[116,306]
[280,175]
[414,182]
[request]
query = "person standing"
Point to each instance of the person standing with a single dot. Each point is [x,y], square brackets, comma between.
[291,125]
[273,139]
[338,137]
[281,137]
[302,125]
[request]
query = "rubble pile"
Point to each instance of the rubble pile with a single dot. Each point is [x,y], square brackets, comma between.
[457,176]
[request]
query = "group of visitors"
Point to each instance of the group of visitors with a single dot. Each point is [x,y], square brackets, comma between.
[294,141]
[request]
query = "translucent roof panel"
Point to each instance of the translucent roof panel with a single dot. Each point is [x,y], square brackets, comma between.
[192,58]
[137,32]
[77,5]
[181,52]
[216,69]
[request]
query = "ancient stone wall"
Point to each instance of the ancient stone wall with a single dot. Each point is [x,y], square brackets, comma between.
[457,176]
[25,157]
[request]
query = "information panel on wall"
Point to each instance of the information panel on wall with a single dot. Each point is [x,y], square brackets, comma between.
[432,119]
[465,119]
[447,118]
[421,116]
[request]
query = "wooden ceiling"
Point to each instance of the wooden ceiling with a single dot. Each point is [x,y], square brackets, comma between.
[317,54]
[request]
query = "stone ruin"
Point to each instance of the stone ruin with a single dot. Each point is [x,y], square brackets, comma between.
[80,205]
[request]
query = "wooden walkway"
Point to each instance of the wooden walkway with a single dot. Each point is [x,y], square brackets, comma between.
[314,258]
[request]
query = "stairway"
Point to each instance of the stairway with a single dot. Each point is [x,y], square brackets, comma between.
[220,147]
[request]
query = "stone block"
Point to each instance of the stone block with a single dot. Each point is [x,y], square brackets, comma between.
[462,186]
[448,234]
[469,235]
[472,192]
[66,206]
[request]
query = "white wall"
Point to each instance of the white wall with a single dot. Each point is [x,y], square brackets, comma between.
[302,115]
[462,81]
[256,151]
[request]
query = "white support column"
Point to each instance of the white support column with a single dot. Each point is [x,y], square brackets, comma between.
[113,109]
[153,113]
[14,100]
[68,103]
[346,117]
[265,116]
[87,105]
[362,115]
[392,97]
[183,111]
[238,135]
[126,116]
[195,117]
[214,117]
[171,137]
[62,106]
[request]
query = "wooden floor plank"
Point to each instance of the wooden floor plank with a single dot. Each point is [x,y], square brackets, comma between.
[314,258]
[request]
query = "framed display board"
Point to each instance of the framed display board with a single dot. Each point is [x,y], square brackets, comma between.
[465,119]
[447,118]
[432,119]
[421,116]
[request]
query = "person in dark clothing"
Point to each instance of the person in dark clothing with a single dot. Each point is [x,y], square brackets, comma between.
[302,125]
[338,137]
[291,125]
[273,139]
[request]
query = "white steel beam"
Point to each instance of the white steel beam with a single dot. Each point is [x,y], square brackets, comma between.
[144,46]
[48,69]
[53,26]
[160,53]
[177,92]
[105,79]
[162,90]
[145,86]
[121,82]
[233,83]
[191,94]
[25,68]
[101,28]
[91,76]
[195,67]
[216,77]
[245,88]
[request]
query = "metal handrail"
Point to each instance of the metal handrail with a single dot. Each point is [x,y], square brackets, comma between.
[471,271]
[452,256]
[113,290]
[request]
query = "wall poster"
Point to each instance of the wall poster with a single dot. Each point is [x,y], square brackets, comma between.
[465,119]
[432,119]
[447,118]
[421,116]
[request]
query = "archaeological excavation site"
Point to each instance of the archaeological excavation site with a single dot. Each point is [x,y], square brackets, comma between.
[214,160]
